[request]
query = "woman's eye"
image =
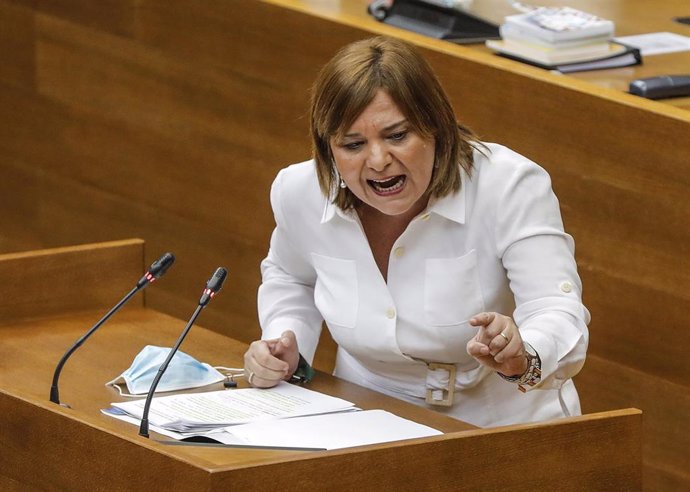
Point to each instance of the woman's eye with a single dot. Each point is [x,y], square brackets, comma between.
[398,136]
[352,145]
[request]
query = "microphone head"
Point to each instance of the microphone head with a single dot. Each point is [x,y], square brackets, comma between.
[156,270]
[161,265]
[214,284]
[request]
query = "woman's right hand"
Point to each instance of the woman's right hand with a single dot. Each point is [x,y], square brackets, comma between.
[267,362]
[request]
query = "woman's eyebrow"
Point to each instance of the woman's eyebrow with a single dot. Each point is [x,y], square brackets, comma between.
[385,129]
[395,125]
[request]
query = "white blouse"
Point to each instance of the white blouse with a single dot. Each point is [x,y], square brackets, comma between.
[496,245]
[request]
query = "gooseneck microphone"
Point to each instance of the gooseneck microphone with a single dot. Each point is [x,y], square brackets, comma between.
[155,271]
[213,286]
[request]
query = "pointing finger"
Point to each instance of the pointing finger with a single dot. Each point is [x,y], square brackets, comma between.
[482,319]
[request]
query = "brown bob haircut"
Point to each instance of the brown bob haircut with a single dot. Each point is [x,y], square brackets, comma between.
[348,83]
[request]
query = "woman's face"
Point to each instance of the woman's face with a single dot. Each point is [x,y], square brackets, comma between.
[383,161]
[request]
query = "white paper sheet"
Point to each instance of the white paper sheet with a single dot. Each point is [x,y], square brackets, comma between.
[656,43]
[331,431]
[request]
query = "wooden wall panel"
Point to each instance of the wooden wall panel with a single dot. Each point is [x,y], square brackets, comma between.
[20,181]
[17,43]
[112,16]
[123,81]
[604,384]
[648,334]
[15,235]
[274,47]
[168,145]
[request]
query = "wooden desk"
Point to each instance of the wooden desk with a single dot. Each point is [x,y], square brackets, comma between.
[46,446]
[630,16]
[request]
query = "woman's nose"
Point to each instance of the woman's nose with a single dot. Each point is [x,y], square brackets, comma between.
[378,158]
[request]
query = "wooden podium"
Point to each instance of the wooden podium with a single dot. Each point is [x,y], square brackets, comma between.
[49,298]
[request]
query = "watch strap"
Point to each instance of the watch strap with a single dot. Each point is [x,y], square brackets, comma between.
[304,372]
[532,376]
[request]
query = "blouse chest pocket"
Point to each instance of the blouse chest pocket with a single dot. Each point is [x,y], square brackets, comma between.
[452,292]
[335,291]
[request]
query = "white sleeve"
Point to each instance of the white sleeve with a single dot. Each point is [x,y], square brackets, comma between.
[539,260]
[286,294]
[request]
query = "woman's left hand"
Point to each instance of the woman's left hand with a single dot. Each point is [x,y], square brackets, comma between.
[498,344]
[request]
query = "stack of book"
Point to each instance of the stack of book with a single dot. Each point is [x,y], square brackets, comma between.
[563,39]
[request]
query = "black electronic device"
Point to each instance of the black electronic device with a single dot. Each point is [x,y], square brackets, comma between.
[155,271]
[213,286]
[435,21]
[661,87]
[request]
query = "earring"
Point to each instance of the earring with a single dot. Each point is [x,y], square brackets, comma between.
[337,177]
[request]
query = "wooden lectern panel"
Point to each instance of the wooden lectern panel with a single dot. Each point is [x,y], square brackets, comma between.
[79,446]
[48,446]
[48,282]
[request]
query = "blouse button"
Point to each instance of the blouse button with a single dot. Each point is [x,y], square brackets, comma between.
[390,313]
[399,251]
[566,286]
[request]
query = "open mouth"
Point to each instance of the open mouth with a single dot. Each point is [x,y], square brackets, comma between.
[388,185]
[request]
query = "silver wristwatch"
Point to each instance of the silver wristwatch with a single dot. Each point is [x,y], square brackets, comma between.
[532,375]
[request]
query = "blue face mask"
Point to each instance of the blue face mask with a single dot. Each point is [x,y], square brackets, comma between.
[183,372]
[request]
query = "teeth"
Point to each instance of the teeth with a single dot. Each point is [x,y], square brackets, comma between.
[387,185]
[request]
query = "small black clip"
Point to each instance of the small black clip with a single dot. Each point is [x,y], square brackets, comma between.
[230,382]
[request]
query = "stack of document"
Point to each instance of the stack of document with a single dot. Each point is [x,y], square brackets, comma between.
[202,412]
[284,416]
[563,39]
